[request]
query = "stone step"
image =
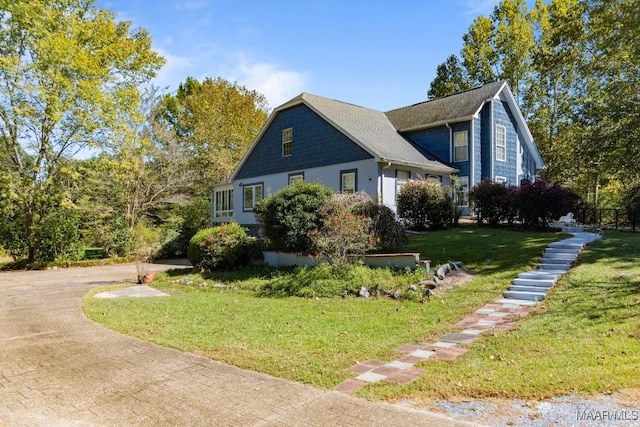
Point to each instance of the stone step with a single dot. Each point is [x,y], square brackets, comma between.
[551,250]
[539,274]
[537,283]
[563,244]
[530,296]
[528,289]
[552,255]
[514,302]
[546,260]
[554,267]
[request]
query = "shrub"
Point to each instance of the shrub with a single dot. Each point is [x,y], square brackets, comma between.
[384,224]
[340,280]
[491,202]
[539,202]
[224,248]
[386,227]
[288,216]
[422,204]
[58,236]
[343,233]
[194,250]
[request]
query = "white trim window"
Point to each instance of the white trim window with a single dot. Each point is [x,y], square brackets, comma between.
[402,177]
[461,146]
[348,181]
[462,191]
[287,142]
[252,195]
[501,179]
[501,143]
[296,177]
[223,203]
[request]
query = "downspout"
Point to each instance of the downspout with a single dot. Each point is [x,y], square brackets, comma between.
[382,169]
[492,144]
[450,142]
[472,163]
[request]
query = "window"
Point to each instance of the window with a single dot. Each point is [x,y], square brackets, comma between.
[402,177]
[501,179]
[252,195]
[501,143]
[287,142]
[294,177]
[462,190]
[223,203]
[348,181]
[461,146]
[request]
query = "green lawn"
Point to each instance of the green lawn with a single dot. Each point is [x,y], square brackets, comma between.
[584,338]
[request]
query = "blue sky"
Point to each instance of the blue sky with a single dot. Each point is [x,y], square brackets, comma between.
[377,54]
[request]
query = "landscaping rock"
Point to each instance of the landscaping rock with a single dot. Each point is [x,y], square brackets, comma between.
[430,284]
[364,292]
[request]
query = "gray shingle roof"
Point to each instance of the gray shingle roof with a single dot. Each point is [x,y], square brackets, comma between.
[458,107]
[372,130]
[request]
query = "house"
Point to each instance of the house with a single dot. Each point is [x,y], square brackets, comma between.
[472,135]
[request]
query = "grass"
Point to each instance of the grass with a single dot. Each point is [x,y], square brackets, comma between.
[8,264]
[584,338]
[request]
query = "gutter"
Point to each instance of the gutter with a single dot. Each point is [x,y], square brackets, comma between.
[450,142]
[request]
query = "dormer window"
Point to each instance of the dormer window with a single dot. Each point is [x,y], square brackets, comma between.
[287,142]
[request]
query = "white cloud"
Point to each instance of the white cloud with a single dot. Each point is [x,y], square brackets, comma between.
[175,70]
[477,8]
[193,5]
[277,85]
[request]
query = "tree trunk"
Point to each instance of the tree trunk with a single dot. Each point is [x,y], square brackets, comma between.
[30,236]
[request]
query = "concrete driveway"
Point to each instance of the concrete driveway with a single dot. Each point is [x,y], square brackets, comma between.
[57,368]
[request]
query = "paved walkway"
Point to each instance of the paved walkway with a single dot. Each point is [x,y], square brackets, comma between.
[57,368]
[517,302]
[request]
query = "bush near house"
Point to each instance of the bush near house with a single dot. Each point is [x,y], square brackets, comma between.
[222,247]
[389,231]
[536,204]
[540,202]
[491,202]
[288,216]
[423,204]
[343,232]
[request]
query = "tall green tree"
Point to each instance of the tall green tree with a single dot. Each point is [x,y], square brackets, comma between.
[69,77]
[555,83]
[573,66]
[611,112]
[450,78]
[216,121]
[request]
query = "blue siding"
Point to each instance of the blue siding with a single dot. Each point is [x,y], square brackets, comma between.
[315,143]
[485,142]
[465,167]
[477,152]
[502,116]
[528,166]
[436,140]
